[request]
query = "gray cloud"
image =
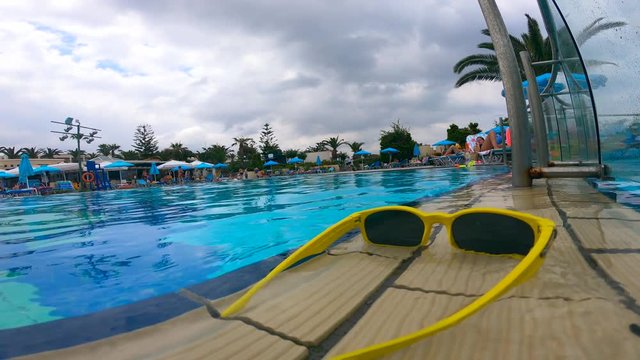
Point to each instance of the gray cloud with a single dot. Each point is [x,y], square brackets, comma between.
[222,69]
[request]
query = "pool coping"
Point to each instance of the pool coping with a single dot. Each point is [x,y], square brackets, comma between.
[78,330]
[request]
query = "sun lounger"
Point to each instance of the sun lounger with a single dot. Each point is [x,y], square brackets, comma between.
[449,160]
[64,186]
[495,156]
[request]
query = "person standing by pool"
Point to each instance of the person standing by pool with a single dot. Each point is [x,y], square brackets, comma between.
[180,176]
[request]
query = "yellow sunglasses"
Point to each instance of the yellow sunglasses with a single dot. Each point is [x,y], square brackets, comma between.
[479,230]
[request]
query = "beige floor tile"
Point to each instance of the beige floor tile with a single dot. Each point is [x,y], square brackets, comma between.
[309,301]
[607,234]
[511,328]
[194,335]
[623,268]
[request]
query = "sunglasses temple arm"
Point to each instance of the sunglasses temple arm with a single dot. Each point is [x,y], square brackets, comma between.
[315,246]
[523,270]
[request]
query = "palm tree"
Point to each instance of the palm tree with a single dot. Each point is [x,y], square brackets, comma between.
[130,155]
[334,143]
[11,152]
[485,66]
[244,145]
[320,146]
[178,151]
[108,149]
[77,155]
[50,153]
[355,146]
[215,154]
[32,152]
[112,149]
[104,149]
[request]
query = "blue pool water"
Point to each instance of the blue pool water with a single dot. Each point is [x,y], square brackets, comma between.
[68,255]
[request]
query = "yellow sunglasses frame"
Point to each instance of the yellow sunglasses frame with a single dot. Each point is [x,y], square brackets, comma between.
[544,230]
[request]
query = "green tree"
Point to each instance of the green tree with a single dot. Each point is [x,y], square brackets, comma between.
[104,150]
[291,153]
[50,153]
[355,146]
[108,149]
[76,155]
[179,151]
[130,155]
[215,154]
[334,143]
[92,155]
[268,144]
[32,152]
[398,138]
[144,141]
[320,146]
[484,67]
[11,152]
[459,135]
[246,149]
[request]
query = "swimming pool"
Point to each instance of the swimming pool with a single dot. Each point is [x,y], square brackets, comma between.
[75,254]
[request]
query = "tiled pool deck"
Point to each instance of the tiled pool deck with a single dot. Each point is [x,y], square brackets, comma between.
[582,304]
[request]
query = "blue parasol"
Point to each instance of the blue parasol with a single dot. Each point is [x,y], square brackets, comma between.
[318,161]
[204,165]
[154,169]
[444,143]
[389,151]
[271,163]
[416,150]
[45,168]
[222,166]
[25,169]
[295,160]
[183,167]
[6,175]
[119,164]
[362,154]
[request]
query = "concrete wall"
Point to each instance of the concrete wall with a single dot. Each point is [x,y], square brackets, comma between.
[312,156]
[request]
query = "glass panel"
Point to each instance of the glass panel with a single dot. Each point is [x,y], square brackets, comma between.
[606,32]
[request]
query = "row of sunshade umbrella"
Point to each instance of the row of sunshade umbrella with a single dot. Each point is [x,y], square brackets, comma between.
[25,169]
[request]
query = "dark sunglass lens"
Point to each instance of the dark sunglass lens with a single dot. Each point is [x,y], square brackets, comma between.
[493,234]
[394,227]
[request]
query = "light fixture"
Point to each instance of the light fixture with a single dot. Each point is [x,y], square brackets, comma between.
[90,140]
[68,120]
[64,137]
[68,128]
[93,133]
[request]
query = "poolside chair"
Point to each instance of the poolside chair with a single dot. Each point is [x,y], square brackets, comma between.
[449,160]
[64,186]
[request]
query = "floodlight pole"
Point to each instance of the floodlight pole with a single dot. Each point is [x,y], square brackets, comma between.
[516,107]
[79,136]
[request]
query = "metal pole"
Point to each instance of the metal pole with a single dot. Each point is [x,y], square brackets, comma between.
[537,114]
[80,184]
[516,107]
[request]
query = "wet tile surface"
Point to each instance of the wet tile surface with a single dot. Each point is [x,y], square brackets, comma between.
[358,295]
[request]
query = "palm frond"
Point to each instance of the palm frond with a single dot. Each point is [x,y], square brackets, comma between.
[593,62]
[480,74]
[596,27]
[487,45]
[486,60]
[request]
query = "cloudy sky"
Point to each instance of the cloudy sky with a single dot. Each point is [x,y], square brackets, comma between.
[202,72]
